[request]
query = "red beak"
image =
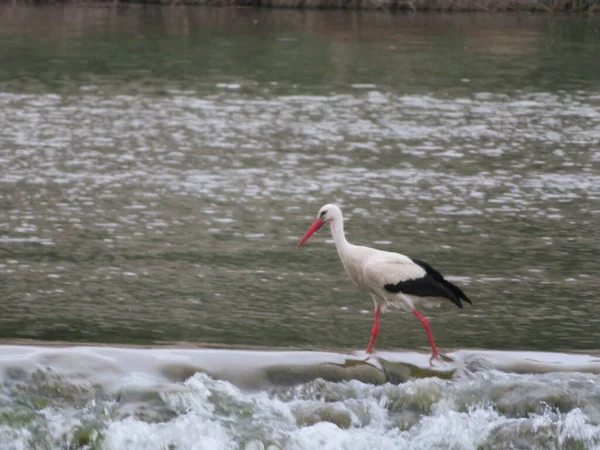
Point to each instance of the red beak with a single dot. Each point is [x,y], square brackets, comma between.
[318,223]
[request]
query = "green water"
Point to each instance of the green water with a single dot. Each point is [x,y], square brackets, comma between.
[158,165]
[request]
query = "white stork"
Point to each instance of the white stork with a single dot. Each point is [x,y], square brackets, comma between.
[392,279]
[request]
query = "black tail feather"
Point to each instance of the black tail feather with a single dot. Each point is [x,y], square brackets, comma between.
[456,291]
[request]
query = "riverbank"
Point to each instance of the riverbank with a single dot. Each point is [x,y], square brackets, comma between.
[573,6]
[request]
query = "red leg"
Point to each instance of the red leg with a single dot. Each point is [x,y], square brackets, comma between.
[425,323]
[375,330]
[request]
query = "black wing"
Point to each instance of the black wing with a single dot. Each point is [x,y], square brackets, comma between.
[433,284]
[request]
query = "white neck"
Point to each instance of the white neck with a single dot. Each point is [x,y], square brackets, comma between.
[337,231]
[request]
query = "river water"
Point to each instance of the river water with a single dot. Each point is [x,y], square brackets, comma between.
[158,166]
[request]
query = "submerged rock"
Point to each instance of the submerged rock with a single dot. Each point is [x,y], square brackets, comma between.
[309,415]
[350,370]
[179,372]
[400,372]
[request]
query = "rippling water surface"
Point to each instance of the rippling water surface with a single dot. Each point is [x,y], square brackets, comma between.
[158,166]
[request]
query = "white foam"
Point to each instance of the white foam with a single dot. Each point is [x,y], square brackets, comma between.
[200,425]
[188,431]
[213,413]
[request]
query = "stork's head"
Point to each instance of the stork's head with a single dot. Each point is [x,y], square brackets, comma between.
[327,213]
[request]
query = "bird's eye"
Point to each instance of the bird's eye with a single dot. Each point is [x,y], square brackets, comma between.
[322,214]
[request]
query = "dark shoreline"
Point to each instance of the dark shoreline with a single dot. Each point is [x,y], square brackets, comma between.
[562,6]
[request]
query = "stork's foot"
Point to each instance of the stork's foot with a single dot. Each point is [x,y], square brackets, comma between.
[439,357]
[434,356]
